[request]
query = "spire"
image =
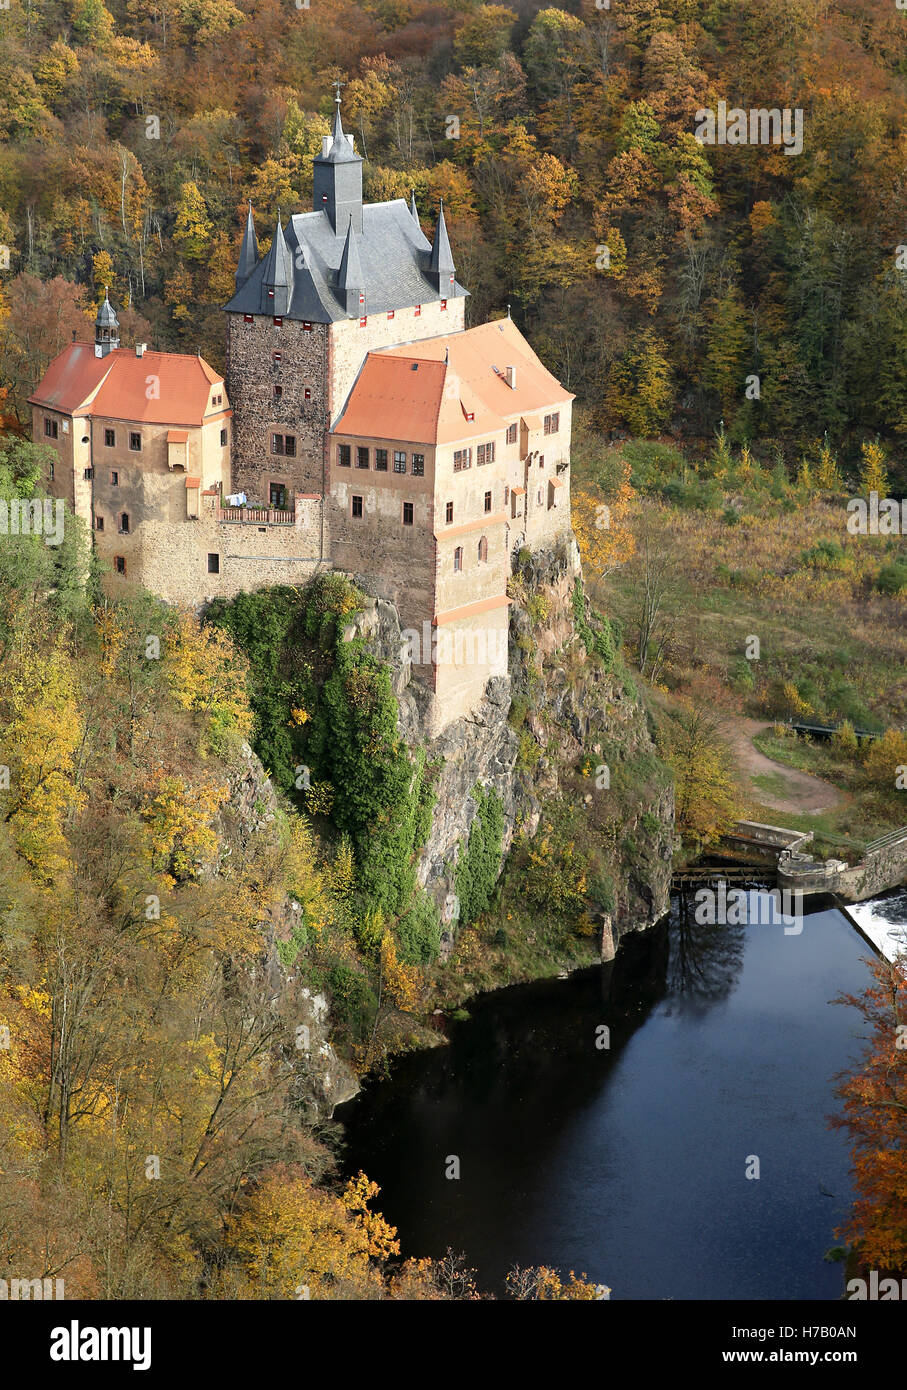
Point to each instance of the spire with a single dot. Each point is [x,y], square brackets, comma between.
[414,210]
[106,328]
[248,253]
[337,177]
[277,281]
[441,270]
[350,280]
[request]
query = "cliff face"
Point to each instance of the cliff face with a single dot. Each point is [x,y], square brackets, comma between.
[321,1079]
[545,732]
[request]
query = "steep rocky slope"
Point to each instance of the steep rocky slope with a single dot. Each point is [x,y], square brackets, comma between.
[565,726]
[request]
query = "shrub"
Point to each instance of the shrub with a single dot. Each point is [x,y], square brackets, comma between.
[480,862]
[419,932]
[892,578]
[824,555]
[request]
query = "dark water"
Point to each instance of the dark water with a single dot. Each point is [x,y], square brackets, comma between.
[629,1165]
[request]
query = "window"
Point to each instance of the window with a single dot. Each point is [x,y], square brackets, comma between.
[284,444]
[307,394]
[399,461]
[248,318]
[278,356]
[278,393]
[448,514]
[462,459]
[443,303]
[381,460]
[88,474]
[123,527]
[363,321]
[407,513]
[343,455]
[483,551]
[485,454]
[458,559]
[213,563]
[51,472]
[135,441]
[488,501]
[506,495]
[552,496]
[50,429]
[541,460]
[119,564]
[390,315]
[362,457]
[223,438]
[278,322]
[357,506]
[511,434]
[114,478]
[277,496]
[418,311]
[99,523]
[110,438]
[306,327]
[540,496]
[418,465]
[553,422]
[216,400]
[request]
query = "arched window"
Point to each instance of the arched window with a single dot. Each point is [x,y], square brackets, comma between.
[483,551]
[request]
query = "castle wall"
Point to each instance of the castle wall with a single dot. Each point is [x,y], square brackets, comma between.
[350,343]
[397,561]
[172,560]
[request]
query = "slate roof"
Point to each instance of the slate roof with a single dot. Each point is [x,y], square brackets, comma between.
[394,256]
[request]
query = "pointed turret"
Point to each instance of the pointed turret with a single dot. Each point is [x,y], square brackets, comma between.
[337,178]
[441,271]
[277,281]
[106,328]
[248,252]
[350,280]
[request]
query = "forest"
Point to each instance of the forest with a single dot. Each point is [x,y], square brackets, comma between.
[670,284]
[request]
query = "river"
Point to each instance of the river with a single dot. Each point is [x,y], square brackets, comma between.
[629,1163]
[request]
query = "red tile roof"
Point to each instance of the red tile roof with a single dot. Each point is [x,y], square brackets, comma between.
[159,388]
[449,389]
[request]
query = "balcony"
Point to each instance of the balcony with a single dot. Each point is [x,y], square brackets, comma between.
[256,516]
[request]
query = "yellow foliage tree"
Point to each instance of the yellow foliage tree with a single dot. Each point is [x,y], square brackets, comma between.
[873,475]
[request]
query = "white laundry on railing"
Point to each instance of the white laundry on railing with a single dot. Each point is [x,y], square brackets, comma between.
[236,499]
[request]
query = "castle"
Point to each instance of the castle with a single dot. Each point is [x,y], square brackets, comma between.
[362,427]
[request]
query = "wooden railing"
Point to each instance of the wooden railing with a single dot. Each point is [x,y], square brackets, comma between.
[257,516]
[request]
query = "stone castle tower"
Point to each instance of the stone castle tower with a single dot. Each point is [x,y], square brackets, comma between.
[335,283]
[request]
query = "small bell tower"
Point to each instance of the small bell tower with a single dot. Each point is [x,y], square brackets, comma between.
[106,329]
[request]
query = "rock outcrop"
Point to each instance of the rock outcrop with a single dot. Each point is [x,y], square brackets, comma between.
[560,707]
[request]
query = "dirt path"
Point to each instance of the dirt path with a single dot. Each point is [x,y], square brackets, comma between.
[802,792]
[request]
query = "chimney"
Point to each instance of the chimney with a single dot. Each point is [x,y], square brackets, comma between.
[140,349]
[510,377]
